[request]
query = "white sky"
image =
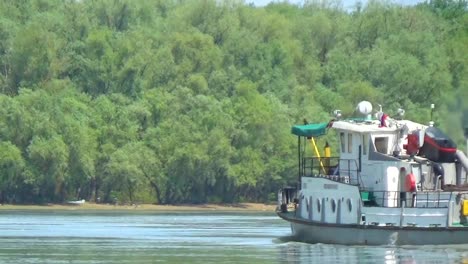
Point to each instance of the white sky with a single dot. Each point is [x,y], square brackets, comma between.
[346,3]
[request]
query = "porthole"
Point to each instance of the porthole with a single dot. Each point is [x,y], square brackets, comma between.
[319,205]
[333,205]
[350,205]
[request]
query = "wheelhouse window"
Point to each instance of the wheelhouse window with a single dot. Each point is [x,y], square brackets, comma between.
[350,143]
[342,140]
[364,144]
[381,144]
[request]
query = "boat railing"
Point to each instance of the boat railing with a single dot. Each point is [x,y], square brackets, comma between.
[350,167]
[333,168]
[432,199]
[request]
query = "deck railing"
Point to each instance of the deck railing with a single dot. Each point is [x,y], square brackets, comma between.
[333,168]
[433,199]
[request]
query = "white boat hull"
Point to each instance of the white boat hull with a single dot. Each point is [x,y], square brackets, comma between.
[314,232]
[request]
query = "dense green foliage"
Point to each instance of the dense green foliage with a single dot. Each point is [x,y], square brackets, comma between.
[192,101]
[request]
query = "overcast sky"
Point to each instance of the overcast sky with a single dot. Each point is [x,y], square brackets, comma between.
[346,3]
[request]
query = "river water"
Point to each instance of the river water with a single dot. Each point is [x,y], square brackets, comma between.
[183,237]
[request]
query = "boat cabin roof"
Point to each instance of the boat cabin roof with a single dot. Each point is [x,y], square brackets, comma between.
[374,126]
[354,125]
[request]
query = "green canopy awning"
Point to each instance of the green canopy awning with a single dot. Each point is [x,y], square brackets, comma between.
[310,130]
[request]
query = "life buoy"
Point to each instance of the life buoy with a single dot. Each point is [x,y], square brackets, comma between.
[410,183]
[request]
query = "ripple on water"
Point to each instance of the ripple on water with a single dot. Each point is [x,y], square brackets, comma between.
[63,237]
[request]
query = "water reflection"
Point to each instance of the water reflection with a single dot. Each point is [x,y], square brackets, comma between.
[296,252]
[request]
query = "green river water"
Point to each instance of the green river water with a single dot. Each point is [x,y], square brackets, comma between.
[183,237]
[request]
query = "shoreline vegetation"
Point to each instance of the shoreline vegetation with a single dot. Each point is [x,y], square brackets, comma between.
[192,102]
[245,207]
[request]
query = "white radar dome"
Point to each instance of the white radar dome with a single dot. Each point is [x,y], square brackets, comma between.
[365,107]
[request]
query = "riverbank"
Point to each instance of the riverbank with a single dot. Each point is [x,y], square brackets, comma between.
[254,207]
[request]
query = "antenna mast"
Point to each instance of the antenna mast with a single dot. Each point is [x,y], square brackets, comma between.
[431,123]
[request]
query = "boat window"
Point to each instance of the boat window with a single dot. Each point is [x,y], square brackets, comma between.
[350,205]
[319,204]
[342,139]
[350,143]
[333,205]
[381,144]
[364,144]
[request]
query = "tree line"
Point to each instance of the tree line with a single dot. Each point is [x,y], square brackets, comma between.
[177,101]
